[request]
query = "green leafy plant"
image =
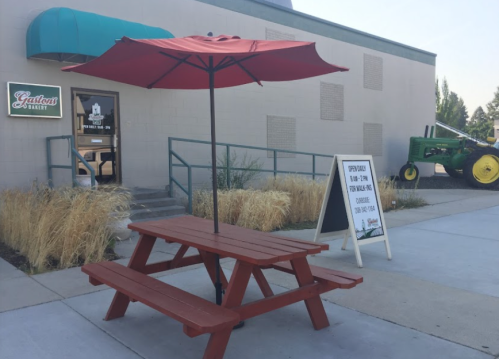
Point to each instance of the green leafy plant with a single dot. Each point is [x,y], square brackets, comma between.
[244,170]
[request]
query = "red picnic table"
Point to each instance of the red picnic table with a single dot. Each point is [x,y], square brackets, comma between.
[253,252]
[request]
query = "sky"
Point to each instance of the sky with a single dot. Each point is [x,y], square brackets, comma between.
[463,33]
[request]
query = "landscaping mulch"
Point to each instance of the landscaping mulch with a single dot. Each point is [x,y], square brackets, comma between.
[15,258]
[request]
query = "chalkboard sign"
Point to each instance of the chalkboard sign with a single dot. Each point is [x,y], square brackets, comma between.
[351,205]
[336,215]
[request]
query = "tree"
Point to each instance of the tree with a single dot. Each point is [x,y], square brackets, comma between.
[493,107]
[479,115]
[479,125]
[450,109]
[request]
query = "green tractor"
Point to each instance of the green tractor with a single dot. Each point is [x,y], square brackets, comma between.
[477,161]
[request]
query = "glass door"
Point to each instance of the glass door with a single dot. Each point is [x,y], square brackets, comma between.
[96,129]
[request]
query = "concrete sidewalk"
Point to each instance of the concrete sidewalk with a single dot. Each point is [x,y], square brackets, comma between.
[437,298]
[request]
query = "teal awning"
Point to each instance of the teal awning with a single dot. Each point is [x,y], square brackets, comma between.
[69,35]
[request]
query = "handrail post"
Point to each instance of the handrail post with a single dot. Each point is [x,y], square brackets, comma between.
[189,184]
[170,168]
[275,163]
[313,167]
[73,161]
[229,185]
[49,163]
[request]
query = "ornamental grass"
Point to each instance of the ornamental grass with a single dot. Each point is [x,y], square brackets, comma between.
[387,193]
[306,196]
[264,211]
[61,227]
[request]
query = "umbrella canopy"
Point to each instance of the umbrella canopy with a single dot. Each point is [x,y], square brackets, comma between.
[184,63]
[199,62]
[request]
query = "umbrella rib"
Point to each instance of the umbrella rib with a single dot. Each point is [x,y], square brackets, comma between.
[202,61]
[238,63]
[186,62]
[180,62]
[233,61]
[221,63]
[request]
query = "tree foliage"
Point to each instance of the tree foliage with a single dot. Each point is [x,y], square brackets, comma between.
[493,107]
[479,125]
[450,109]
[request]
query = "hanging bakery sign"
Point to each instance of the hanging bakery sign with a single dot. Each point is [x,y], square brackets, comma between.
[32,100]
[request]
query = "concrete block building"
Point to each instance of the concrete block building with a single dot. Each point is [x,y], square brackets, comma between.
[385,98]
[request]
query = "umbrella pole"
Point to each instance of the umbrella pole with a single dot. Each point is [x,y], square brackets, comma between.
[218,284]
[213,145]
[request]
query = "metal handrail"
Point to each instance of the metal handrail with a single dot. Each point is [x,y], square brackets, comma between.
[228,168]
[74,154]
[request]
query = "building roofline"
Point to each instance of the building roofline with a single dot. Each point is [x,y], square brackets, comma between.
[288,17]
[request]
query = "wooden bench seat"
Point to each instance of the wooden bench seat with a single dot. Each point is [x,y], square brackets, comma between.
[194,312]
[325,275]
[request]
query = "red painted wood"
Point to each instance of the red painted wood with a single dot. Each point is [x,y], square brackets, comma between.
[166,265]
[179,255]
[314,305]
[93,281]
[237,285]
[223,249]
[210,262]
[187,308]
[277,301]
[142,252]
[346,280]
[217,344]
[138,261]
[247,237]
[262,282]
[241,241]
[250,235]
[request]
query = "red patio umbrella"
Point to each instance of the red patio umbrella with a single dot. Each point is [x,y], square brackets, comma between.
[199,62]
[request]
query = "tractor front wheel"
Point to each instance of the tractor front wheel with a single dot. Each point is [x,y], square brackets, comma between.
[405,173]
[482,168]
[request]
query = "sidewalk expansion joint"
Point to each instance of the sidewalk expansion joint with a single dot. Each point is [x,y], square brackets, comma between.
[453,234]
[102,330]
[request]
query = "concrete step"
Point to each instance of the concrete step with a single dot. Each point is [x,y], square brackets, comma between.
[153,203]
[143,194]
[154,213]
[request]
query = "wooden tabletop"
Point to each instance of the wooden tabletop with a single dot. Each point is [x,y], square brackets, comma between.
[251,246]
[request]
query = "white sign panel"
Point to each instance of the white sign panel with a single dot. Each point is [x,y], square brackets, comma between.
[363,202]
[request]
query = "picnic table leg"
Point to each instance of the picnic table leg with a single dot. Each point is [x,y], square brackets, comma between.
[217,344]
[209,260]
[237,285]
[314,305]
[262,282]
[138,261]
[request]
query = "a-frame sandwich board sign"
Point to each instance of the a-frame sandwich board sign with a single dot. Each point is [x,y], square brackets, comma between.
[351,205]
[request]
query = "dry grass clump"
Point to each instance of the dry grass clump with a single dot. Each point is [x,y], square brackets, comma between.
[387,193]
[264,211]
[63,226]
[306,196]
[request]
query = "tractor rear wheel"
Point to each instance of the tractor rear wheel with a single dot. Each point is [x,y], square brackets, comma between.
[482,168]
[453,173]
[405,173]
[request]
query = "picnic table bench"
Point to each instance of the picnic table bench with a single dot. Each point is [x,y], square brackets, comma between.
[254,252]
